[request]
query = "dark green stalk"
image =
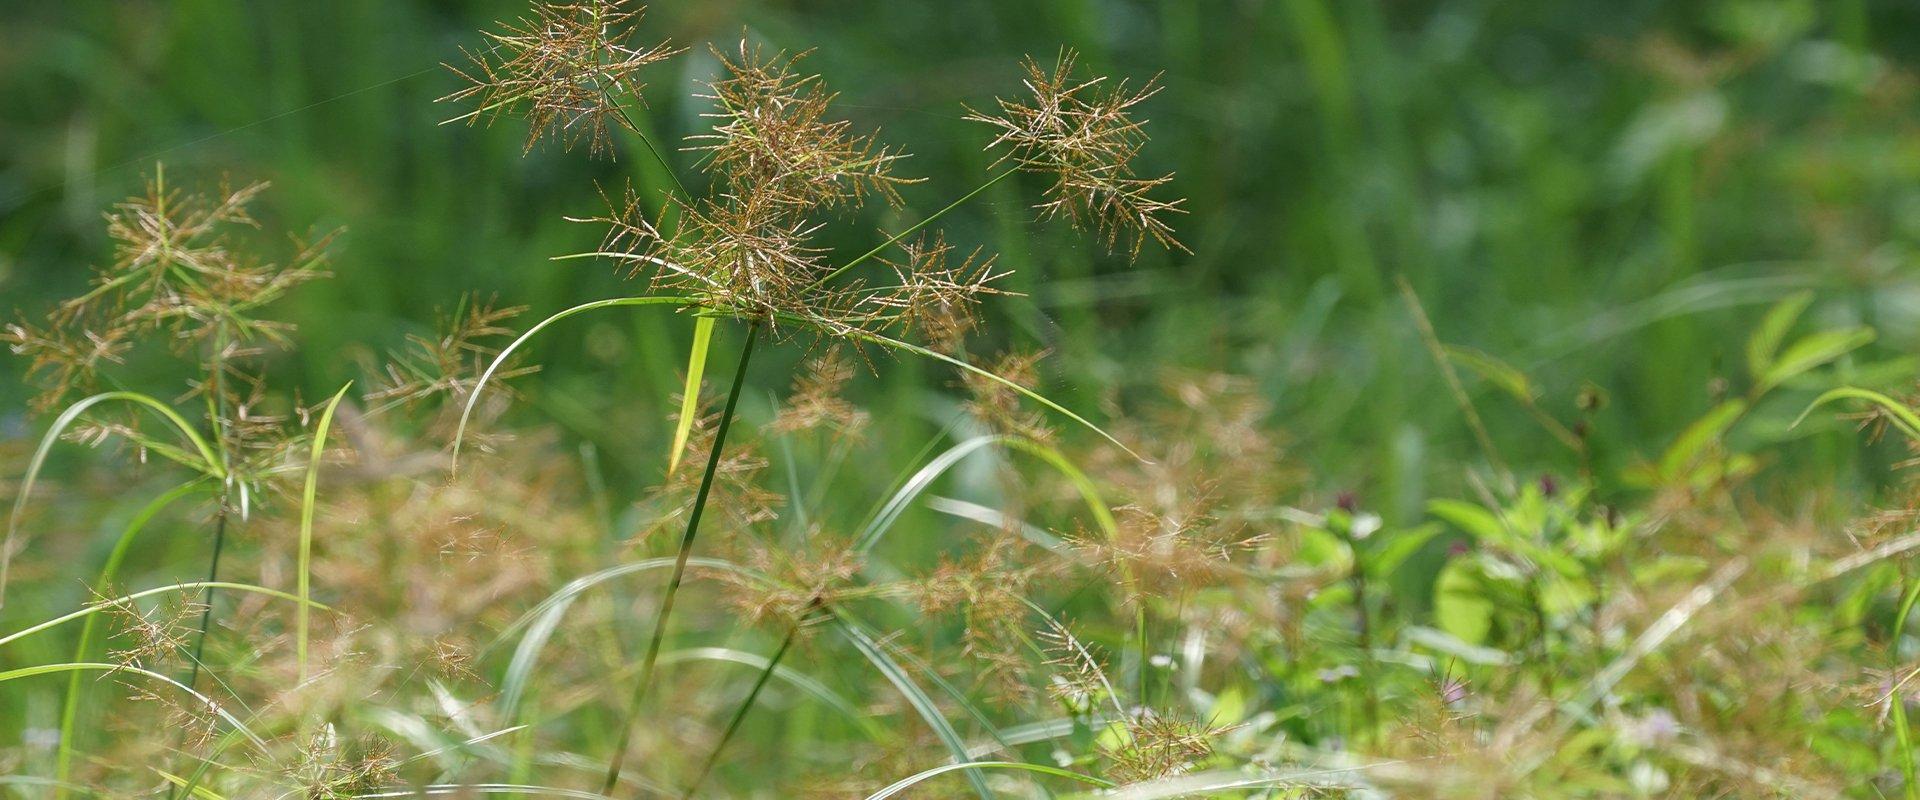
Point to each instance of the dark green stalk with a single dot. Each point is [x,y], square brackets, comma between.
[680,564]
[213,574]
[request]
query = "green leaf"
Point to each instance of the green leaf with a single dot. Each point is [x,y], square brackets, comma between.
[1497,372]
[1460,603]
[1396,549]
[1478,522]
[690,396]
[1812,351]
[1686,449]
[1766,338]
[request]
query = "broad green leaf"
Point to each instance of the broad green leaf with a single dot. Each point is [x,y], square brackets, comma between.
[1686,449]
[1397,548]
[1460,603]
[1772,330]
[1812,351]
[1478,522]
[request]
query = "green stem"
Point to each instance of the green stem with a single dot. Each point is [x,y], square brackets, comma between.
[680,564]
[213,574]
[1902,735]
[740,714]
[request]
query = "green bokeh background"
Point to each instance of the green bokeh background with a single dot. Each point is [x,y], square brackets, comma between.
[1598,192]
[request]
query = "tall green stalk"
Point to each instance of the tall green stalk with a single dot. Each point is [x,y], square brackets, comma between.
[680,564]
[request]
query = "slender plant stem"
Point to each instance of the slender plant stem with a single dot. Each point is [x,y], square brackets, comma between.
[740,714]
[680,564]
[213,575]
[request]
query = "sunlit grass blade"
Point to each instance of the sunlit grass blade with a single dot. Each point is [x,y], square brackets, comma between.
[304,568]
[1039,769]
[690,395]
[473,397]
[542,620]
[209,463]
[193,789]
[97,607]
[939,465]
[222,713]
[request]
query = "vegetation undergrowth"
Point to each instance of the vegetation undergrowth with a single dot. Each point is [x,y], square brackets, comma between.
[417,587]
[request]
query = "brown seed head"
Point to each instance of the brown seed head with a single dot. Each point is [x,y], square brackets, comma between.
[560,69]
[772,139]
[1082,133]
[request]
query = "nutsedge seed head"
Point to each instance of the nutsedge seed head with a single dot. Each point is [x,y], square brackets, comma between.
[1083,135]
[560,69]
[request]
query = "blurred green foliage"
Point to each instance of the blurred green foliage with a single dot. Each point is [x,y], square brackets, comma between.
[1604,195]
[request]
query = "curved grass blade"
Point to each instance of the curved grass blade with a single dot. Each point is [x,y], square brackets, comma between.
[924,478]
[95,608]
[435,790]
[1898,413]
[541,621]
[70,706]
[473,397]
[51,669]
[210,464]
[690,396]
[905,783]
[799,680]
[305,567]
[928,710]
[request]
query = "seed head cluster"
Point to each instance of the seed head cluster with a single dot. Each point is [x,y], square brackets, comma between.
[560,69]
[1081,133]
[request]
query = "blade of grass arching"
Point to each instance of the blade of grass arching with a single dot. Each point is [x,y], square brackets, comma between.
[959,697]
[70,708]
[665,614]
[1041,769]
[540,623]
[209,463]
[1895,411]
[91,609]
[799,680]
[473,397]
[54,669]
[690,396]
[193,790]
[304,568]
[883,520]
[896,344]
[1902,734]
[928,710]
[993,518]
